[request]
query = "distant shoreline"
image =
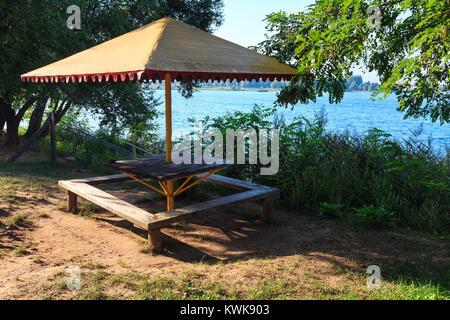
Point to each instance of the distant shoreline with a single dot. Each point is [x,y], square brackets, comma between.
[224,89]
[246,89]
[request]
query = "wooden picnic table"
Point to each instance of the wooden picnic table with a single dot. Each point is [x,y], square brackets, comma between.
[164,173]
[155,167]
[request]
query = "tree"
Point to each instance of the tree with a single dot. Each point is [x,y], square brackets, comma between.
[353,86]
[356,81]
[33,33]
[407,44]
[204,14]
[2,121]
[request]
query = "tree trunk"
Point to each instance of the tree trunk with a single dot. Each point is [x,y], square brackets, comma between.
[13,119]
[2,121]
[12,133]
[60,112]
[12,125]
[36,119]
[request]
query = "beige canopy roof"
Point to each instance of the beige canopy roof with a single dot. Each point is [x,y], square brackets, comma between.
[164,46]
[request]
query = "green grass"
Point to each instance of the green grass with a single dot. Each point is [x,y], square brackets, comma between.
[87,209]
[422,273]
[403,280]
[96,290]
[21,251]
[157,288]
[406,290]
[43,215]
[18,220]
[7,193]
[277,289]
[38,259]
[208,282]
[33,174]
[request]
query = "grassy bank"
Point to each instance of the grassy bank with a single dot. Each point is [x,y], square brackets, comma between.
[369,180]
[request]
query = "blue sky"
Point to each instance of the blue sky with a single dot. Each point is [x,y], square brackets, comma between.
[244,23]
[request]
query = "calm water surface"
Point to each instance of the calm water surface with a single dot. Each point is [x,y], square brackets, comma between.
[357,112]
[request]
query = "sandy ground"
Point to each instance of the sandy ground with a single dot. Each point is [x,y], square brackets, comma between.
[62,238]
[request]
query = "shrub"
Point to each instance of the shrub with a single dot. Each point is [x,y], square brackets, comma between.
[331,210]
[390,183]
[376,218]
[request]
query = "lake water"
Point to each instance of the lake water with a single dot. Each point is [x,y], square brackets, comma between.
[357,113]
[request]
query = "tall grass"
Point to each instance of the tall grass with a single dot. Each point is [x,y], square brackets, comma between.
[370,180]
[92,154]
[89,154]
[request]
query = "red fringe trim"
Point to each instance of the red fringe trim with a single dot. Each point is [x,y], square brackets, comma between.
[150,75]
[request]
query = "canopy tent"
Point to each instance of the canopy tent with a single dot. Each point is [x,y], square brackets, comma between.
[164,46]
[163,50]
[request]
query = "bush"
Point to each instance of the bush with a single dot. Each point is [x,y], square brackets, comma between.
[331,210]
[376,218]
[390,183]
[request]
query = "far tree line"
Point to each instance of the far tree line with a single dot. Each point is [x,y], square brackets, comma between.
[354,83]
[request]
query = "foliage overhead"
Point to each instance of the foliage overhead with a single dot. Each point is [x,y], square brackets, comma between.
[409,50]
[33,33]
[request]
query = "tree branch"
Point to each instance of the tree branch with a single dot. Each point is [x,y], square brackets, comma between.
[63,111]
[25,108]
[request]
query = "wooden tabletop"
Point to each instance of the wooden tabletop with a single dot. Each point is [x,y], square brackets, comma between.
[156,167]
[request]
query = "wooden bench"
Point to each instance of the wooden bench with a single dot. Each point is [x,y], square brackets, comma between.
[153,223]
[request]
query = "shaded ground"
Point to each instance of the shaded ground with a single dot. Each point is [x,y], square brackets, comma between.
[226,254]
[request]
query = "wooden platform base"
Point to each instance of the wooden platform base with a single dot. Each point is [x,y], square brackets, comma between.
[153,223]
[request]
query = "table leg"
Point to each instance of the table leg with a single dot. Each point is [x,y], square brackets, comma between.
[71,201]
[170,196]
[266,212]
[154,239]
